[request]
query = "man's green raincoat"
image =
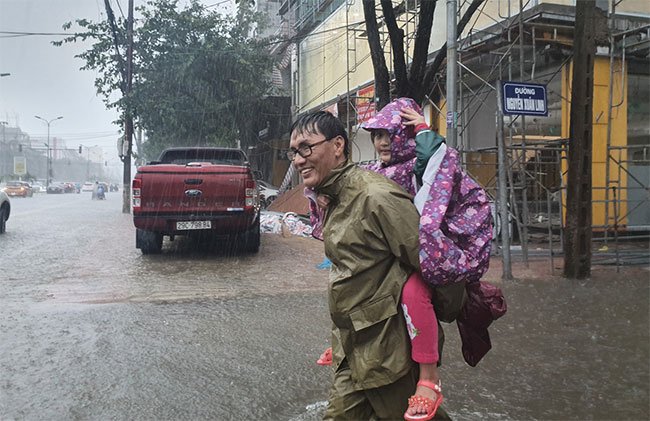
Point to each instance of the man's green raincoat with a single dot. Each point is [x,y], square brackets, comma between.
[371,237]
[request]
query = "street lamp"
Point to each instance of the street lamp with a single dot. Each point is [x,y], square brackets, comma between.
[49,153]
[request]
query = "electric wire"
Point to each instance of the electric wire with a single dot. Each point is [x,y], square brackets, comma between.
[119,6]
[293,39]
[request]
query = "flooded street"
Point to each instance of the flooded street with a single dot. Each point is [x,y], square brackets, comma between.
[92,329]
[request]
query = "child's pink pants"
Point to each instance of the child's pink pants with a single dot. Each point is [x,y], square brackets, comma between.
[421,320]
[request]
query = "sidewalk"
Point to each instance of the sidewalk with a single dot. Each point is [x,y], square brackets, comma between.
[565,350]
[540,267]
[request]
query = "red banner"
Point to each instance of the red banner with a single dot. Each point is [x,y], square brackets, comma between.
[365,103]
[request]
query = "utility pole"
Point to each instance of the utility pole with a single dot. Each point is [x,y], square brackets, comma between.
[502,188]
[522,157]
[128,117]
[126,70]
[452,71]
[577,235]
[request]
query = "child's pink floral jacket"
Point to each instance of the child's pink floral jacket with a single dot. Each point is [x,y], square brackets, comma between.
[455,221]
[455,225]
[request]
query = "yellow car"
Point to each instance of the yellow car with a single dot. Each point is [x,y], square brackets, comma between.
[18,189]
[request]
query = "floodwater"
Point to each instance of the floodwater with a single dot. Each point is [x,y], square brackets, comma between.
[91,329]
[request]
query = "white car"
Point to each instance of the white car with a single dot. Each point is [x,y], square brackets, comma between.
[38,187]
[88,186]
[5,210]
[268,193]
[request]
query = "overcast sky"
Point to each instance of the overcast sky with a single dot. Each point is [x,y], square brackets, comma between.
[46,81]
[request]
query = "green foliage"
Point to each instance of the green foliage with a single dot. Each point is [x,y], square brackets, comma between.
[198,77]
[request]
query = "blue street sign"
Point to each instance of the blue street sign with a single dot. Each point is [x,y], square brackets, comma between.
[524,99]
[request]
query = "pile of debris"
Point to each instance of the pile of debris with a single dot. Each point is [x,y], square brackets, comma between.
[288,214]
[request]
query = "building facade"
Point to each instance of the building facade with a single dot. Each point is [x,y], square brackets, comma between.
[330,68]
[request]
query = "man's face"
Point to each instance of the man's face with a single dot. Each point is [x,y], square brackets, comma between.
[324,157]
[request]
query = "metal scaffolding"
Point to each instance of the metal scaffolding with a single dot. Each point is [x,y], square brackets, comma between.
[534,173]
[531,42]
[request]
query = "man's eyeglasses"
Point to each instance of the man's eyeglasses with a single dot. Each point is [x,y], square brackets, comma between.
[304,150]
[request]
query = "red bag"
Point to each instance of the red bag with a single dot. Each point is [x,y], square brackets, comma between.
[485,303]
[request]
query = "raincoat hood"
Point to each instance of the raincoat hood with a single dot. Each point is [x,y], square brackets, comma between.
[402,146]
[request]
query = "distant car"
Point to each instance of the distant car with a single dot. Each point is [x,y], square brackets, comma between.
[69,188]
[18,189]
[88,186]
[38,187]
[56,188]
[268,193]
[5,210]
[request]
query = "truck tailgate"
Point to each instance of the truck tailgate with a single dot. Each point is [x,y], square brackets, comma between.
[193,188]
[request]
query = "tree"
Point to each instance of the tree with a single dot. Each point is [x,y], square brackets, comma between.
[418,79]
[198,75]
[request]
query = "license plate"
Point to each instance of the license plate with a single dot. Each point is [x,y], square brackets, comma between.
[193,225]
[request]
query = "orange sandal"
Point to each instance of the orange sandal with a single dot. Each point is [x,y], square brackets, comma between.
[429,405]
[325,358]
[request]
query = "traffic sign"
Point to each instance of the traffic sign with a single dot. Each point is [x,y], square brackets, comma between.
[20,165]
[524,99]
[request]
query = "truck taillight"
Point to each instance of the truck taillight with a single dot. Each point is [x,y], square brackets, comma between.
[136,184]
[251,194]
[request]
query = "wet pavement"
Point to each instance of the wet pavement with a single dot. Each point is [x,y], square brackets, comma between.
[91,329]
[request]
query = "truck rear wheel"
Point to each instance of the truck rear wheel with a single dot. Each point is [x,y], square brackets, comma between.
[250,240]
[3,221]
[149,242]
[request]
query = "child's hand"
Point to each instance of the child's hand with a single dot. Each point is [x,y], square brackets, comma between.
[411,117]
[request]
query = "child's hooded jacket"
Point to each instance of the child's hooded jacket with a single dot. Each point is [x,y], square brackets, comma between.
[455,221]
[455,217]
[402,145]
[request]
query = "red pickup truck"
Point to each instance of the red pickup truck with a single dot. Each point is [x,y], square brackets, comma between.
[200,190]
